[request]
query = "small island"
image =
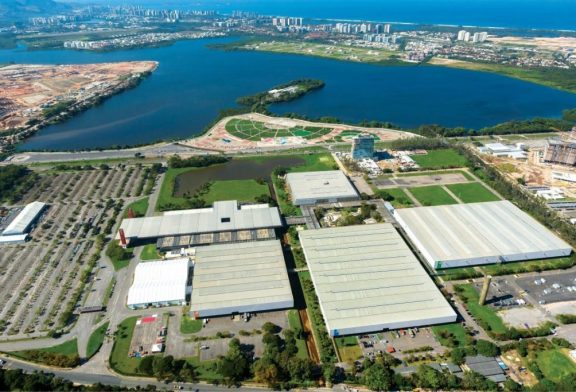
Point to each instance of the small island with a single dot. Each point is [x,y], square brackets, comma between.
[283,93]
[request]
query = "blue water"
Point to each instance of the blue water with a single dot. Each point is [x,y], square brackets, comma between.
[193,83]
[530,14]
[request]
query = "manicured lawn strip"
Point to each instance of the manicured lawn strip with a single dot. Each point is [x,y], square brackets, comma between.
[401,199]
[296,325]
[555,364]
[458,273]
[241,190]
[432,195]
[530,266]
[205,370]
[119,360]
[139,207]
[484,313]
[283,198]
[436,172]
[68,350]
[438,159]
[149,252]
[456,329]
[472,193]
[96,340]
[348,348]
[124,262]
[189,325]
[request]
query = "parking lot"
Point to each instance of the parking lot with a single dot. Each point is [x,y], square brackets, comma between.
[249,333]
[551,288]
[397,342]
[38,279]
[502,294]
[148,331]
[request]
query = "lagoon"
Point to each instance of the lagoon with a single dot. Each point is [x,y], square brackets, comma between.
[193,83]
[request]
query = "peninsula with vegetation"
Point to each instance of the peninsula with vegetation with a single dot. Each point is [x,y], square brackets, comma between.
[282,93]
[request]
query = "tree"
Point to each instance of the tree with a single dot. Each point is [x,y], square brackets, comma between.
[512,386]
[486,348]
[379,377]
[269,327]
[146,365]
[458,356]
[300,369]
[163,367]
[476,382]
[426,377]
[235,365]
[266,371]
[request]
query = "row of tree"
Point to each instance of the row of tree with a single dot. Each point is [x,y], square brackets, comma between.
[175,161]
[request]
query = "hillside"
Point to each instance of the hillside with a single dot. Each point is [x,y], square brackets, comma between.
[11,10]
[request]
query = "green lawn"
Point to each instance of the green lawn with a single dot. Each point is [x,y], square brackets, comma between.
[119,360]
[241,190]
[165,195]
[296,325]
[440,159]
[456,329]
[96,340]
[458,273]
[555,364]
[257,130]
[432,195]
[401,199]
[485,313]
[139,207]
[435,172]
[529,266]
[205,370]
[348,348]
[68,349]
[189,325]
[149,252]
[472,193]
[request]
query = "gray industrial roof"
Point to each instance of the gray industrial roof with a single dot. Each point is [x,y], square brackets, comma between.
[24,219]
[462,231]
[367,279]
[236,276]
[224,216]
[320,185]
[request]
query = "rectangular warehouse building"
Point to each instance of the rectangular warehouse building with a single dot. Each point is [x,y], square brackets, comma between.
[228,219]
[311,188]
[160,283]
[24,220]
[238,278]
[479,233]
[368,280]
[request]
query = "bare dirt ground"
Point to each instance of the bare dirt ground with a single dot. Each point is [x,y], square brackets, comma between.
[219,139]
[522,316]
[517,371]
[567,307]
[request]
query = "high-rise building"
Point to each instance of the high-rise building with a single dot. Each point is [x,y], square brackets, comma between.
[387,29]
[363,146]
[461,35]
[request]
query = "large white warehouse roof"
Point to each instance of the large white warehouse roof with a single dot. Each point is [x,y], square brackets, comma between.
[224,216]
[237,278]
[478,233]
[368,280]
[24,219]
[320,186]
[159,283]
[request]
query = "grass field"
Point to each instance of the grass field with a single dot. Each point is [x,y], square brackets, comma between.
[458,273]
[139,207]
[472,193]
[440,159]
[456,329]
[119,360]
[432,195]
[555,364]
[435,172]
[205,370]
[296,325]
[96,340]
[529,266]
[256,130]
[480,312]
[241,190]
[335,52]
[189,325]
[348,348]
[401,199]
[149,252]
[69,348]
